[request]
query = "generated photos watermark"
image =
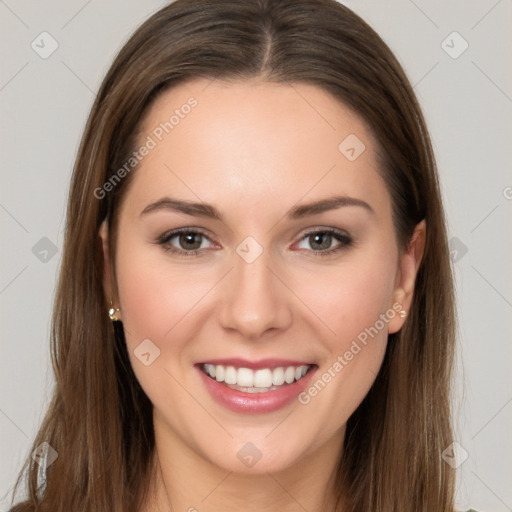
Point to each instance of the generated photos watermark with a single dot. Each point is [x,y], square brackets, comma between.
[151,142]
[344,359]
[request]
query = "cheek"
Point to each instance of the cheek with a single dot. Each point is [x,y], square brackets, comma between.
[349,299]
[155,296]
[159,302]
[353,306]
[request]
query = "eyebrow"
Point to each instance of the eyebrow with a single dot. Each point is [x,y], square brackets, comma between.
[297,212]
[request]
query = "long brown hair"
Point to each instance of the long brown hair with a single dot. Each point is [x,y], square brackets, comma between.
[99,420]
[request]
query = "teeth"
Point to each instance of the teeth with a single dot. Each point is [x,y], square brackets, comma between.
[262,378]
[245,377]
[289,374]
[254,381]
[278,376]
[219,373]
[230,375]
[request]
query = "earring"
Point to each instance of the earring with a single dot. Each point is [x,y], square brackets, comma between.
[112,312]
[402,313]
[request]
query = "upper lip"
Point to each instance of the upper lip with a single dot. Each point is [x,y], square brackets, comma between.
[256,365]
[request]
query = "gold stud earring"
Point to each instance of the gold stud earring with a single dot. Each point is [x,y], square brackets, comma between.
[402,313]
[112,312]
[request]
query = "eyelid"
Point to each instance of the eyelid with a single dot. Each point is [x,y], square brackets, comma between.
[187,229]
[164,239]
[344,238]
[325,229]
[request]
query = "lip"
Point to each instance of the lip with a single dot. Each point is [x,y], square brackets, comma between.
[255,403]
[256,365]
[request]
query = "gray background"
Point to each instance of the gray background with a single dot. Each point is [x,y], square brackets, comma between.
[467,100]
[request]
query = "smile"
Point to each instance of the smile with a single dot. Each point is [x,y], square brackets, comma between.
[262,380]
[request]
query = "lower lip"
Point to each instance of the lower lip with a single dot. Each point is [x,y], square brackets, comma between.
[255,403]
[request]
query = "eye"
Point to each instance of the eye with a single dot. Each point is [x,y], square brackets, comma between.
[321,241]
[185,241]
[191,242]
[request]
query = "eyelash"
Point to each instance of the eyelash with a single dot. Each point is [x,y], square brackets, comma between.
[344,239]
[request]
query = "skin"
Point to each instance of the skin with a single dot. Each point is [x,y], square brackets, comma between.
[254,150]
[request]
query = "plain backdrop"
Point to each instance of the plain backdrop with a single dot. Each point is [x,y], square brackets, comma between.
[457,55]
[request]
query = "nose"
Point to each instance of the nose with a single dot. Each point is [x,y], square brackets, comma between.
[255,302]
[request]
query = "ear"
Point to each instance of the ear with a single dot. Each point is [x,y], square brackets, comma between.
[110,294]
[406,276]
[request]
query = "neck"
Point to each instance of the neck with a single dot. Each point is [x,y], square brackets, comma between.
[182,480]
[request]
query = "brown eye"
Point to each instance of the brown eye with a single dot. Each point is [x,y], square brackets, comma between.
[186,242]
[189,241]
[321,242]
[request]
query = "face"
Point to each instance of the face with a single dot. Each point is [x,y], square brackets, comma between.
[261,280]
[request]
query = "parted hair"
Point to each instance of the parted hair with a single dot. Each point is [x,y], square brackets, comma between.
[99,420]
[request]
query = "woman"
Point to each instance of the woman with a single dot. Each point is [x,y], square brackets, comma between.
[255,306]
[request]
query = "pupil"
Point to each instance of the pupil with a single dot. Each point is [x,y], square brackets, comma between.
[189,239]
[318,237]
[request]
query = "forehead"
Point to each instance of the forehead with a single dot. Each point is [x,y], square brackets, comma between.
[256,142]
